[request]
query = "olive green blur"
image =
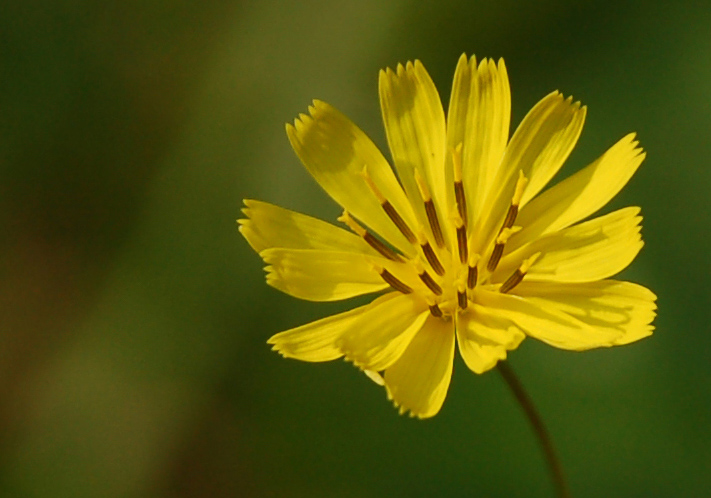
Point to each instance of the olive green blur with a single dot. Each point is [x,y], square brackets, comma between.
[134,317]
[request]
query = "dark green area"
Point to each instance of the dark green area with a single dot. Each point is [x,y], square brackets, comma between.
[133,316]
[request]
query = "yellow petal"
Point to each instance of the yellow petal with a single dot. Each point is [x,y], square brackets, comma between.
[592,250]
[580,195]
[381,334]
[547,322]
[335,151]
[268,226]
[419,380]
[478,118]
[544,142]
[624,308]
[315,341]
[415,128]
[484,337]
[375,377]
[538,149]
[321,275]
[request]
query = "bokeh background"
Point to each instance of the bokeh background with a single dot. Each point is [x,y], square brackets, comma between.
[133,316]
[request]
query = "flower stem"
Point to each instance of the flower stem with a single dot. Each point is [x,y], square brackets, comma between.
[525,401]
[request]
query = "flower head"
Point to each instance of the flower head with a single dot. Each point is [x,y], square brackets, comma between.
[463,246]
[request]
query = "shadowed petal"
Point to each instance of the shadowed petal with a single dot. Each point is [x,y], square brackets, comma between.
[335,151]
[548,323]
[620,307]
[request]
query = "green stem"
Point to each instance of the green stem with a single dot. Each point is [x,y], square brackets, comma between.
[525,401]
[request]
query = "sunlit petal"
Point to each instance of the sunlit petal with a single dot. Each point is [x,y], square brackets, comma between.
[315,341]
[582,194]
[268,226]
[415,128]
[537,150]
[484,338]
[419,380]
[321,275]
[478,118]
[381,334]
[593,250]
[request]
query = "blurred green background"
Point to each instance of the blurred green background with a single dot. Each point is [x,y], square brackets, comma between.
[133,316]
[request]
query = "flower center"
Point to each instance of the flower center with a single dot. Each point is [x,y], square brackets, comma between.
[449,281]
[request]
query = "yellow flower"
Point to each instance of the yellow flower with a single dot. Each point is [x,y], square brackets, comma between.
[462,243]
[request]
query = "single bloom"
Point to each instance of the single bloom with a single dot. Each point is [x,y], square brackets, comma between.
[463,245]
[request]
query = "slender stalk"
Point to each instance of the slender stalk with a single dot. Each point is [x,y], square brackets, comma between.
[543,437]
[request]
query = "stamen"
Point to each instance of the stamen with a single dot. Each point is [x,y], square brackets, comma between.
[512,281]
[515,201]
[371,184]
[392,280]
[499,247]
[430,254]
[427,278]
[348,220]
[459,197]
[517,276]
[430,209]
[399,222]
[462,296]
[374,242]
[495,257]
[462,244]
[430,283]
[388,208]
[528,263]
[434,309]
[520,187]
[473,271]
[381,248]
